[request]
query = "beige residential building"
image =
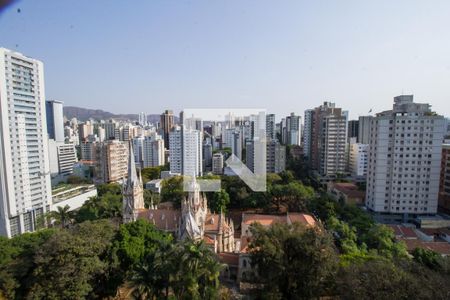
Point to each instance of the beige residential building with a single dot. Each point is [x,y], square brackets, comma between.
[111,161]
[328,139]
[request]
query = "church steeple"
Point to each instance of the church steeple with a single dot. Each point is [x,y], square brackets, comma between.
[132,190]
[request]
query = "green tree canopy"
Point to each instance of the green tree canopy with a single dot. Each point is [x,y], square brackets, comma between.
[68,263]
[382,238]
[382,279]
[293,261]
[219,201]
[172,190]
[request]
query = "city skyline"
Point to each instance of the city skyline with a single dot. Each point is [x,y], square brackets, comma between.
[285,64]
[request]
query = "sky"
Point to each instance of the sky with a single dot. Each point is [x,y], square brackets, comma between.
[283,56]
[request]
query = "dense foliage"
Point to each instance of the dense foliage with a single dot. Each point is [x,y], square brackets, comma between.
[95,260]
[293,261]
[356,259]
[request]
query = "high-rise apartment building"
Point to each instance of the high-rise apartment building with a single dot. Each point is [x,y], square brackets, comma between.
[291,130]
[217,163]
[236,144]
[111,161]
[138,149]
[364,129]
[444,187]
[167,123]
[192,153]
[307,132]
[358,159]
[84,131]
[55,120]
[185,152]
[270,127]
[25,190]
[110,130]
[353,129]
[275,157]
[153,151]
[87,151]
[62,158]
[329,140]
[207,156]
[142,119]
[404,160]
[176,150]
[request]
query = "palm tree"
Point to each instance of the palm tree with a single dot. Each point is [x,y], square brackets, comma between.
[198,271]
[148,279]
[62,216]
[209,281]
[140,282]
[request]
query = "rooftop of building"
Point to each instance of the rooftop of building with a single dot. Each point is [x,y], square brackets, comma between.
[231,259]
[442,248]
[266,220]
[349,189]
[64,191]
[403,231]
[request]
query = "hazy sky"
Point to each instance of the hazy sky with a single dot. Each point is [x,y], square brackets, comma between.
[132,56]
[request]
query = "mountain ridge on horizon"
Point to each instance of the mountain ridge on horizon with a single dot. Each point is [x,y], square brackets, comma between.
[84,114]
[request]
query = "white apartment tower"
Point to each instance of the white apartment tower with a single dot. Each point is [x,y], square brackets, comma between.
[25,190]
[358,159]
[153,151]
[175,139]
[185,151]
[404,160]
[192,152]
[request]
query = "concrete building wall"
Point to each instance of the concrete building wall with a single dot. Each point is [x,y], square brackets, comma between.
[25,190]
[405,159]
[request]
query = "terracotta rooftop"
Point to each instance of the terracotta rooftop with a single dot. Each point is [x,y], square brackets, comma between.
[164,219]
[301,218]
[442,248]
[267,220]
[350,189]
[403,231]
[212,223]
[262,219]
[435,231]
[231,259]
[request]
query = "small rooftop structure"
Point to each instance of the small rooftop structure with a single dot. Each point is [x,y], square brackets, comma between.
[154,185]
[347,191]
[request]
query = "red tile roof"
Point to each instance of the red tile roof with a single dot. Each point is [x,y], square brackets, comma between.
[267,220]
[164,219]
[302,218]
[403,231]
[350,189]
[442,248]
[231,259]
[262,219]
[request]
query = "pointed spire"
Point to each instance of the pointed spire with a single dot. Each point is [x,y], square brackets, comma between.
[132,174]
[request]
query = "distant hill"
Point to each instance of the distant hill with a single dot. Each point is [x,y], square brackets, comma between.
[83,114]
